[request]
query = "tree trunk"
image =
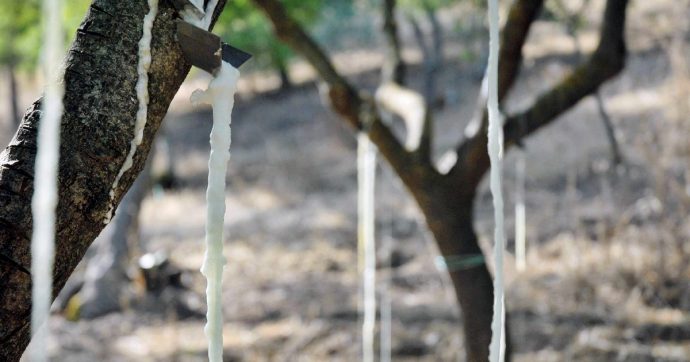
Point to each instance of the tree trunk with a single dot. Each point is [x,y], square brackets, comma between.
[449,214]
[446,200]
[473,284]
[14,95]
[285,82]
[97,126]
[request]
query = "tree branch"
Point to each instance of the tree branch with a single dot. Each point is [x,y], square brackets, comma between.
[97,126]
[393,67]
[359,111]
[522,15]
[605,63]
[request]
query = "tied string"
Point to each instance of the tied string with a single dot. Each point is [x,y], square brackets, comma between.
[459,262]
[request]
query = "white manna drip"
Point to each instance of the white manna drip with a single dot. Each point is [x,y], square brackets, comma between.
[45,195]
[495,148]
[221,95]
[208,16]
[520,216]
[366,174]
[142,96]
[189,15]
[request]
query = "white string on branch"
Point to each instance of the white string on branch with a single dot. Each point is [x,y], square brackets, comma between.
[142,89]
[45,195]
[520,217]
[221,95]
[366,177]
[495,148]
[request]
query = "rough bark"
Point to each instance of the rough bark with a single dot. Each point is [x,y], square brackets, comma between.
[100,109]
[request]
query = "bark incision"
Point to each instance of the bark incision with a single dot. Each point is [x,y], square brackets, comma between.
[97,126]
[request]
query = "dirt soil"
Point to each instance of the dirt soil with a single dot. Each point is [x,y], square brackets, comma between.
[607,277]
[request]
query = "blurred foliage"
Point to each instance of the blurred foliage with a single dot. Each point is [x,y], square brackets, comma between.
[245,27]
[21,38]
[21,27]
[425,4]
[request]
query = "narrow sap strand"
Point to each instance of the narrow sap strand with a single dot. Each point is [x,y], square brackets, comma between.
[45,195]
[386,315]
[520,217]
[495,148]
[220,94]
[142,89]
[366,172]
[208,16]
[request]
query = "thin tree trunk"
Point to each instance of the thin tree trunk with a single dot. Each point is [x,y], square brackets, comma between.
[14,95]
[435,62]
[285,82]
[446,200]
[393,67]
[97,127]
[609,128]
[616,156]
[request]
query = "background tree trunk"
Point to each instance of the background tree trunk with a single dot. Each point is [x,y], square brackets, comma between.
[14,94]
[106,277]
[446,200]
[97,126]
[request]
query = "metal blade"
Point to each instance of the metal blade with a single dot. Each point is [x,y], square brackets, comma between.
[204,49]
[200,47]
[234,56]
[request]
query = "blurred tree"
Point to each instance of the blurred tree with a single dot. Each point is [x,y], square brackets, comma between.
[20,44]
[246,28]
[446,193]
[573,20]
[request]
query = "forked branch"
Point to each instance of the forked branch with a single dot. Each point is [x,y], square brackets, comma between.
[358,110]
[605,63]
[521,16]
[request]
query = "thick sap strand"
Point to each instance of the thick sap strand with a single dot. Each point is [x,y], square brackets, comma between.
[495,147]
[366,173]
[221,95]
[45,196]
[142,89]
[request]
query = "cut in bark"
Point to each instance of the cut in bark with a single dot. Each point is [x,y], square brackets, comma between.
[97,126]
